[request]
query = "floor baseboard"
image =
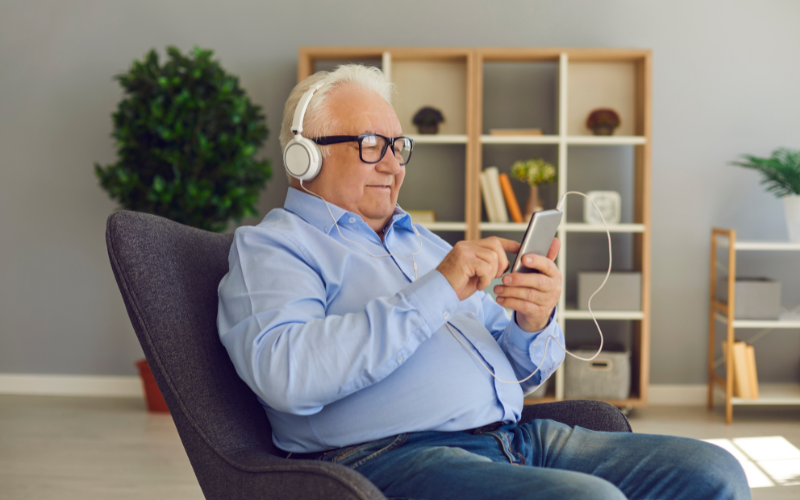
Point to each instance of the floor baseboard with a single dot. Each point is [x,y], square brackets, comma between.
[677,395]
[70,385]
[121,386]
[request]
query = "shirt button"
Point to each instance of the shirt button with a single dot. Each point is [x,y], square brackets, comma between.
[446,315]
[352,220]
[400,358]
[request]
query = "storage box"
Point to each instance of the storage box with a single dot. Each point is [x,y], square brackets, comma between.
[756,298]
[622,291]
[608,376]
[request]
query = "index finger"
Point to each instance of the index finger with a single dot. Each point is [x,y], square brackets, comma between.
[509,245]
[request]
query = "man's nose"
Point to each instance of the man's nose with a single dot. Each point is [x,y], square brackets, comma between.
[389,163]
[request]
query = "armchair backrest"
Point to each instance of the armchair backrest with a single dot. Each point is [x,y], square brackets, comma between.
[168,274]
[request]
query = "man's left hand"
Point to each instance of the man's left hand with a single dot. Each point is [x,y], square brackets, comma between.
[533,295]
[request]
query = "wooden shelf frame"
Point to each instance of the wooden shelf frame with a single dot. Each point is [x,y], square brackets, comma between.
[474,141]
[725,314]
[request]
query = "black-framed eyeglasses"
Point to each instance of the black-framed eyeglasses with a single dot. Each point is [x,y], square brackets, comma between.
[372,147]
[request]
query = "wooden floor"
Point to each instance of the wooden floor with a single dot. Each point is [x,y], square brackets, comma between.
[92,448]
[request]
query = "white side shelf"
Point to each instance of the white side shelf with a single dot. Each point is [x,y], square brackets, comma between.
[772,394]
[570,227]
[760,245]
[785,321]
[445,226]
[438,138]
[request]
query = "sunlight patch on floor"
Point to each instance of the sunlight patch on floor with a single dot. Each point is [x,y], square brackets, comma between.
[767,461]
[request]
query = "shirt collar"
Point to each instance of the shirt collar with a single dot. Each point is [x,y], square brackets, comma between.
[313,210]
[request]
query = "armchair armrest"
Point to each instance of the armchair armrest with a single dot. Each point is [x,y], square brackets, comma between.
[589,414]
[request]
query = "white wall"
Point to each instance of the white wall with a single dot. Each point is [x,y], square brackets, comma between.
[726,80]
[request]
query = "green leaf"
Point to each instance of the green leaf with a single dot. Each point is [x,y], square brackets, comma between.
[158,184]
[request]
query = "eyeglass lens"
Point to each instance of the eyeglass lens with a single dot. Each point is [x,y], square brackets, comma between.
[373,145]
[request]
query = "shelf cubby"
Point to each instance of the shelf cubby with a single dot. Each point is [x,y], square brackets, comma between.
[601,84]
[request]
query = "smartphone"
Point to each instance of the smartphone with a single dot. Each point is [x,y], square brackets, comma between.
[538,237]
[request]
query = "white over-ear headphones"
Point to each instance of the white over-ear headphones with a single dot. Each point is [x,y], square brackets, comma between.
[302,157]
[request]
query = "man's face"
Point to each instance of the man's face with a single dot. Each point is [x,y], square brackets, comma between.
[369,190]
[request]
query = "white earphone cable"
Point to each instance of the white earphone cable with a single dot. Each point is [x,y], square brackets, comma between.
[549,337]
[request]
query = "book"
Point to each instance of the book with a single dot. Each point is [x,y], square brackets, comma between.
[751,371]
[488,204]
[422,215]
[497,194]
[515,131]
[741,375]
[741,380]
[511,199]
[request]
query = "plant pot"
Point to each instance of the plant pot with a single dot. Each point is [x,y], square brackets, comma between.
[791,207]
[603,130]
[428,128]
[152,395]
[533,204]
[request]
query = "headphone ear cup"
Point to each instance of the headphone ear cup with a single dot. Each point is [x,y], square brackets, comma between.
[302,158]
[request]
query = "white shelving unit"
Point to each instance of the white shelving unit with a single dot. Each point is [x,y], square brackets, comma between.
[725,313]
[630,72]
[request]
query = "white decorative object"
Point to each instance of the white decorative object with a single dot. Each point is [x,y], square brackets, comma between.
[608,202]
[791,206]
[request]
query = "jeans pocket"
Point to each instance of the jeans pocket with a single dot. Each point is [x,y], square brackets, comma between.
[354,456]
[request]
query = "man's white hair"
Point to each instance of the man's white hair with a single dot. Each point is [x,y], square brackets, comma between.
[319,121]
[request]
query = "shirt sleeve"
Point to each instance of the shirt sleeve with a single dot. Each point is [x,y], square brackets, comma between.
[272,320]
[525,351]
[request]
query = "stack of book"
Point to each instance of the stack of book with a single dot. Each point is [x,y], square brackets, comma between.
[745,377]
[498,196]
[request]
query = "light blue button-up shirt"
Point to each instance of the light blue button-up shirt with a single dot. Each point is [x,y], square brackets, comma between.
[342,348]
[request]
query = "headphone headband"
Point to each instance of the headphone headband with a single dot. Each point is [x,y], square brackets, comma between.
[300,110]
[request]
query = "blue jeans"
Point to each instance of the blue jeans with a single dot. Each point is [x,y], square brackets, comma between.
[544,459]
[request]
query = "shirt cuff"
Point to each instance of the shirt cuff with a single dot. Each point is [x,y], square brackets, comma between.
[434,298]
[522,339]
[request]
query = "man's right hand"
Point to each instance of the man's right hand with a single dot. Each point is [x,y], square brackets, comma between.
[472,265]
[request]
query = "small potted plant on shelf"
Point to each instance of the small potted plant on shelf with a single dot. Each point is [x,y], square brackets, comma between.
[781,173]
[603,121]
[533,172]
[427,120]
[186,136]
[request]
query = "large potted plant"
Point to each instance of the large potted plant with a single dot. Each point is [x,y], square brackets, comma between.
[781,173]
[186,136]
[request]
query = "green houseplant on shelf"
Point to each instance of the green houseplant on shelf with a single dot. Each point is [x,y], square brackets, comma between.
[533,172]
[781,173]
[186,136]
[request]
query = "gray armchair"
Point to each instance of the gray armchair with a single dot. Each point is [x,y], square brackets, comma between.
[168,275]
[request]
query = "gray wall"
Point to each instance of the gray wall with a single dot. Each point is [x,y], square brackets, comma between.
[726,80]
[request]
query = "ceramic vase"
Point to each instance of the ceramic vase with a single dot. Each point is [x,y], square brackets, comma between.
[533,204]
[791,207]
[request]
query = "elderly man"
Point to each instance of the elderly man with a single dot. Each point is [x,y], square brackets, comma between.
[370,343]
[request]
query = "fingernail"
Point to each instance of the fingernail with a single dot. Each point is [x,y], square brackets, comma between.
[500,300]
[529,260]
[498,290]
[507,280]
